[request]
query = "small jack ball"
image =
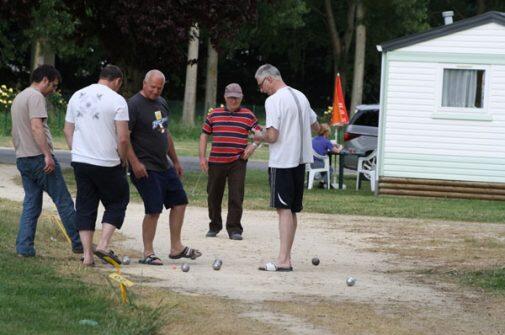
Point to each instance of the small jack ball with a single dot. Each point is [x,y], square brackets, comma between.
[126,260]
[185,267]
[315,261]
[350,281]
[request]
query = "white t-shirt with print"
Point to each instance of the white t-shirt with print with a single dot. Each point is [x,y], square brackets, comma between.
[282,114]
[93,110]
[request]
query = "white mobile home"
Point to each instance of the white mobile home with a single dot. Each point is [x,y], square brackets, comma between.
[442,121]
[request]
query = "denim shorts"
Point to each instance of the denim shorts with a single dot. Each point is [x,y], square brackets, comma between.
[160,188]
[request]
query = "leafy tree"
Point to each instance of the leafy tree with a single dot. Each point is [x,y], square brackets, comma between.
[277,35]
[139,35]
[24,22]
[14,20]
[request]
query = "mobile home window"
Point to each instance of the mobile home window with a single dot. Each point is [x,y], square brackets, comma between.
[463,88]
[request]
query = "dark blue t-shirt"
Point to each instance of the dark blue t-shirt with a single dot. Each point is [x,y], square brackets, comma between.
[148,125]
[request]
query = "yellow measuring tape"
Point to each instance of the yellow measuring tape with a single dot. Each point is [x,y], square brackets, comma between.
[56,220]
[115,276]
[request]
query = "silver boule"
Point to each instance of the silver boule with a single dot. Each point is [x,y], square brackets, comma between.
[126,260]
[217,264]
[350,281]
[315,261]
[185,267]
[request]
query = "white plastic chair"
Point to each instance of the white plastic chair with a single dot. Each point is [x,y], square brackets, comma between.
[366,167]
[312,171]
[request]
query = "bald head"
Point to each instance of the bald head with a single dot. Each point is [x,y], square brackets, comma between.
[154,82]
[152,74]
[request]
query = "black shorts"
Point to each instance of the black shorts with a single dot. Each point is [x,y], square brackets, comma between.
[160,188]
[99,183]
[286,187]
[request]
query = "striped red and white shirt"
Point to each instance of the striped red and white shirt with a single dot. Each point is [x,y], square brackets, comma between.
[230,131]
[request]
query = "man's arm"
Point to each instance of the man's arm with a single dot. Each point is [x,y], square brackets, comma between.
[269,135]
[40,138]
[173,155]
[139,169]
[123,135]
[204,165]
[68,130]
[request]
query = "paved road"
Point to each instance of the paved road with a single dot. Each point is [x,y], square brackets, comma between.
[7,156]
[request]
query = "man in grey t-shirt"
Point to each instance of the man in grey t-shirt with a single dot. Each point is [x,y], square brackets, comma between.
[39,169]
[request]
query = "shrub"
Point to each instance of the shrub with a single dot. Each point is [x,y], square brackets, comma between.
[7,95]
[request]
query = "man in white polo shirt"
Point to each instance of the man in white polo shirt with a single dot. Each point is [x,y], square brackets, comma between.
[96,129]
[289,119]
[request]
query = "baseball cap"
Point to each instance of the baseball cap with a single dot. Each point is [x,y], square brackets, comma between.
[233,90]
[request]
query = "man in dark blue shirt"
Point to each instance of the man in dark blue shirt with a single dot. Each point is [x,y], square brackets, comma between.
[157,181]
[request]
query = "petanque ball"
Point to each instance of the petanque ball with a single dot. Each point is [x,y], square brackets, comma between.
[126,260]
[217,264]
[350,281]
[315,261]
[185,267]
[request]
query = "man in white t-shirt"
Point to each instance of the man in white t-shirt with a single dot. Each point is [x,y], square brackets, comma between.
[96,130]
[289,119]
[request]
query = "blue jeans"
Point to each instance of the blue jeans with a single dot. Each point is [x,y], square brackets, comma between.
[35,181]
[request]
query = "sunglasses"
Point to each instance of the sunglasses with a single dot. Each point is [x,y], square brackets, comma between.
[261,84]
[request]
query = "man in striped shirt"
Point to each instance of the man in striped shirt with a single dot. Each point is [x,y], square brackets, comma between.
[229,127]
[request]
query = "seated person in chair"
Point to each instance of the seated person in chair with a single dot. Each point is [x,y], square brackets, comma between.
[322,145]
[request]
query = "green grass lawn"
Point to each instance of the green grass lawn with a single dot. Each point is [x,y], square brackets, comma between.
[363,202]
[38,297]
[491,280]
[348,202]
[58,142]
[184,145]
[190,147]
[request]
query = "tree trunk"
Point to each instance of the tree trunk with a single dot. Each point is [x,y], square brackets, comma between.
[133,80]
[211,78]
[188,110]
[359,58]
[347,41]
[336,46]
[41,54]
[340,46]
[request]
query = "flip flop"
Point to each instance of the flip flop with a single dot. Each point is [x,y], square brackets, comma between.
[187,252]
[270,266]
[151,260]
[109,257]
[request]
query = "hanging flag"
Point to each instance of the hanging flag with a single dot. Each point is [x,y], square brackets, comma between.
[339,114]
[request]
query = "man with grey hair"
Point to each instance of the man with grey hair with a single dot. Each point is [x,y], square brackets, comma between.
[157,181]
[289,119]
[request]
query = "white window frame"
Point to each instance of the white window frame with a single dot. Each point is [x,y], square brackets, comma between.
[462,113]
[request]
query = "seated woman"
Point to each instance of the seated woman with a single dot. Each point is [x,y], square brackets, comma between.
[322,145]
